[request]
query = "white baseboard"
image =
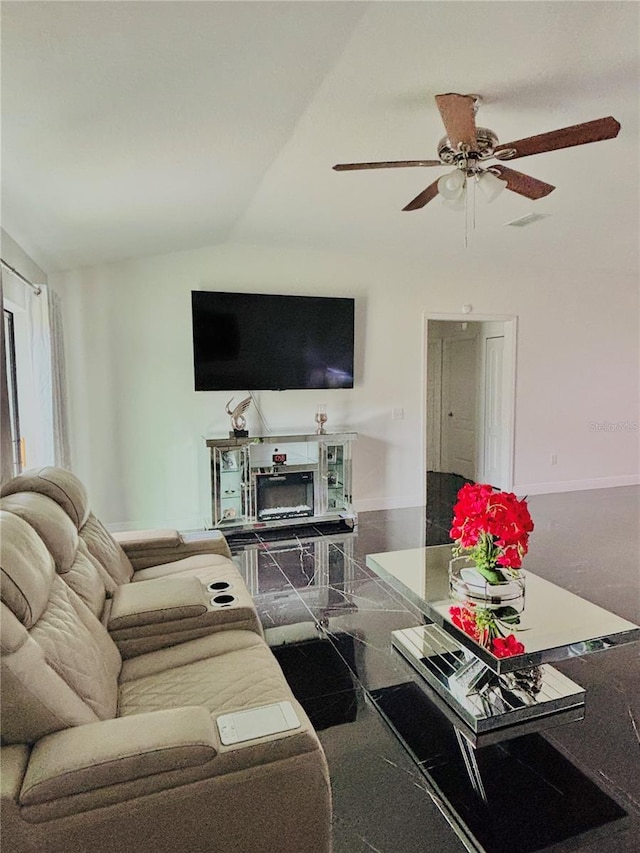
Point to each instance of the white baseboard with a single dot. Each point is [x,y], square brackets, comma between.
[577,485]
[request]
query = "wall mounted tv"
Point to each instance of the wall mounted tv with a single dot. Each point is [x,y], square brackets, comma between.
[262,342]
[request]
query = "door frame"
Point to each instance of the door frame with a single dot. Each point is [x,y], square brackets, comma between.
[510,325]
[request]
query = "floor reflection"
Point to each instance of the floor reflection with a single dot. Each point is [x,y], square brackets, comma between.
[442,494]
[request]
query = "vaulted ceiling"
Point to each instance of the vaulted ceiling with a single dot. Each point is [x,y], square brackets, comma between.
[137,128]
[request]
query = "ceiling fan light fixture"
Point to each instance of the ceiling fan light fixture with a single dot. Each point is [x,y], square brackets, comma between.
[451,185]
[490,186]
[458,203]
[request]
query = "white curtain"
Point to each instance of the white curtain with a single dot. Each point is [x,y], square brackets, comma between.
[44,328]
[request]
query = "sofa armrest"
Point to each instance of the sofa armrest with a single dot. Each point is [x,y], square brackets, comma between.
[239,800]
[156,602]
[143,540]
[146,548]
[99,755]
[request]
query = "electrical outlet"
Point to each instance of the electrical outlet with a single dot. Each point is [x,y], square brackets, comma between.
[554,459]
[397,414]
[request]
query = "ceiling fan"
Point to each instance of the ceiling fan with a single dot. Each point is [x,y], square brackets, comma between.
[466,146]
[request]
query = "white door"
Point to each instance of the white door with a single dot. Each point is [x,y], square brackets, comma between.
[458,434]
[493,463]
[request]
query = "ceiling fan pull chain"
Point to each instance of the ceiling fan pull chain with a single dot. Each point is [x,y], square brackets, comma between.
[473,207]
[466,215]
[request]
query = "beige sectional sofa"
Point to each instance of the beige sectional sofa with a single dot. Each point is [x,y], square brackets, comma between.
[118,658]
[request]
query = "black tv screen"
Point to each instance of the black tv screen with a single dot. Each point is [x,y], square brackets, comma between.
[262,342]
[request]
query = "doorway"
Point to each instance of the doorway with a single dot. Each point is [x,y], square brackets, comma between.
[469,409]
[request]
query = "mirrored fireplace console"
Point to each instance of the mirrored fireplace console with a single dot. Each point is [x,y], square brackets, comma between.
[281,480]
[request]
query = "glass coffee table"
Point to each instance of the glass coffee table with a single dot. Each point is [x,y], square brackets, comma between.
[498,696]
[474,723]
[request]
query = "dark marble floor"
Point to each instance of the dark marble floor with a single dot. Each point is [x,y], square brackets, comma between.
[442,492]
[328,620]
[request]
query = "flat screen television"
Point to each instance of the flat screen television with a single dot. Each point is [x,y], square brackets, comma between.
[262,342]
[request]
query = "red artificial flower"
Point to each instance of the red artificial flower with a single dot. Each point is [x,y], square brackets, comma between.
[496,524]
[465,619]
[506,647]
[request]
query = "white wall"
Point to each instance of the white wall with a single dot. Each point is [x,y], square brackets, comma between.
[138,427]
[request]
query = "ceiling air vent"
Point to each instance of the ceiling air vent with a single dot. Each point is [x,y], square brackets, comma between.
[527,219]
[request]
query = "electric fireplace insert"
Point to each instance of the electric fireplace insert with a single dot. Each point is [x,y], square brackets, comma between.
[284,494]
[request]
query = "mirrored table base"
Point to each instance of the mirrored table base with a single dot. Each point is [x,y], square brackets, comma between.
[487,702]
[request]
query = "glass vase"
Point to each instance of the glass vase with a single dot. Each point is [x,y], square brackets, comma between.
[467,585]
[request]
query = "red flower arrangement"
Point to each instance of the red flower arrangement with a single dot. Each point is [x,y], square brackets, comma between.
[485,627]
[492,527]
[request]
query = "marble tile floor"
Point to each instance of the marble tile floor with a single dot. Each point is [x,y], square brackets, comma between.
[328,620]
[442,492]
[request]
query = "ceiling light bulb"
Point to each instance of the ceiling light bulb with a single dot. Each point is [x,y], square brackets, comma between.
[491,186]
[450,186]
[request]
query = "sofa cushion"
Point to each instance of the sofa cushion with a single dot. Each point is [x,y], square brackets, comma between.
[79,649]
[206,567]
[61,673]
[57,659]
[229,671]
[50,522]
[106,550]
[35,699]
[56,483]
[28,570]
[72,560]
[90,581]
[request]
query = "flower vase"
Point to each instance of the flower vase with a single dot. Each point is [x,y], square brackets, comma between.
[468,585]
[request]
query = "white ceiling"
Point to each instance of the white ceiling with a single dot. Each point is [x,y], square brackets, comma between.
[137,128]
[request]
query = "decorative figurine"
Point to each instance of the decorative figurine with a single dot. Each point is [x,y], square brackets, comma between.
[321,418]
[238,421]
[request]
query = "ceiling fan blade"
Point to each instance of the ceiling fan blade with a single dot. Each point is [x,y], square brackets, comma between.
[424,197]
[566,137]
[386,164]
[459,118]
[522,184]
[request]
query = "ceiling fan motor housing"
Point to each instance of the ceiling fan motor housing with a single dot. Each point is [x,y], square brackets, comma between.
[486,141]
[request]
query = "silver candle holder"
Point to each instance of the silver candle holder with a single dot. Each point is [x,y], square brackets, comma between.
[321,418]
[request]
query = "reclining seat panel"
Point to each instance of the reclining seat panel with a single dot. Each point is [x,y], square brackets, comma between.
[59,665]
